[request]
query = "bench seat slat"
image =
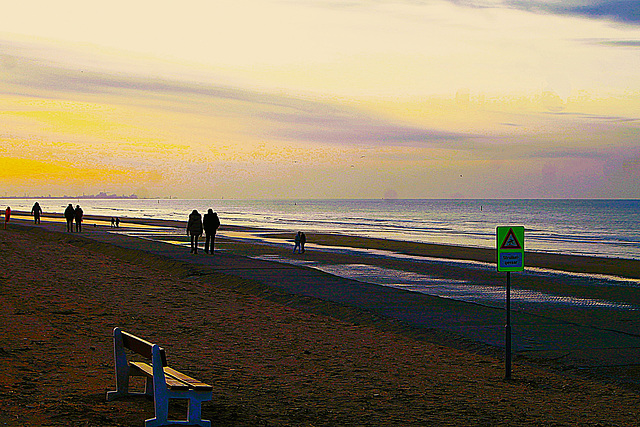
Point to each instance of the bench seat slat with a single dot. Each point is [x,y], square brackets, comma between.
[136,344]
[140,346]
[172,383]
[193,383]
[142,367]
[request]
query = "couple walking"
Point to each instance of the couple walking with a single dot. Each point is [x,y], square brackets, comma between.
[300,240]
[210,224]
[70,214]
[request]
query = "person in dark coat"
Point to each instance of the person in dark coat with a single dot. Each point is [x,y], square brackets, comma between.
[211,223]
[69,214]
[36,211]
[194,229]
[77,213]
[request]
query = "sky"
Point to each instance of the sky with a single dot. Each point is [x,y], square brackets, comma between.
[316,99]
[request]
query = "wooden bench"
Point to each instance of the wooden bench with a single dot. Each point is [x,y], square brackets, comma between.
[162,383]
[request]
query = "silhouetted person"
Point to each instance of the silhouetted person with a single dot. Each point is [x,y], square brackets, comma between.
[36,211]
[69,214]
[77,213]
[7,216]
[117,222]
[211,223]
[113,222]
[303,240]
[194,229]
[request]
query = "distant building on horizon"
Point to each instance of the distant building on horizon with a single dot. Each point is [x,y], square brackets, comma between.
[100,195]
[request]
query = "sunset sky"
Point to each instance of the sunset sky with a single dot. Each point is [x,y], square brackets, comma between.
[303,99]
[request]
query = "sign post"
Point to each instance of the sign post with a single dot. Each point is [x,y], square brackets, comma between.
[510,257]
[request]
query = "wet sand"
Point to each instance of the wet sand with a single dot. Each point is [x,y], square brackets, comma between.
[572,263]
[274,358]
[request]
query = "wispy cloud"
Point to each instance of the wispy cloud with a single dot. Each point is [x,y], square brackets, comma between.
[281,117]
[30,74]
[598,117]
[617,43]
[624,11]
[566,153]
[345,126]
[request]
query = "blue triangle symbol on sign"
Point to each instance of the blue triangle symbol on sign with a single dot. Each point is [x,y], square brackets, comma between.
[511,242]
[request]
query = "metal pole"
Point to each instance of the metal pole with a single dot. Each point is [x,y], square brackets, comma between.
[507,360]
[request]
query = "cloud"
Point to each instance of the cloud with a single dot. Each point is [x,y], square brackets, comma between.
[597,117]
[32,74]
[623,11]
[343,126]
[174,135]
[280,116]
[618,43]
[567,153]
[262,114]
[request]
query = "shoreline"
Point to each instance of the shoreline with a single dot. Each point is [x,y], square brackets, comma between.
[596,265]
[598,228]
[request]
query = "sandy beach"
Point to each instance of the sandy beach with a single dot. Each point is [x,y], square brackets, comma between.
[274,357]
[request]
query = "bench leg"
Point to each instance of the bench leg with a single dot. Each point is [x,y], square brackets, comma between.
[194,414]
[148,387]
[122,384]
[122,367]
[161,405]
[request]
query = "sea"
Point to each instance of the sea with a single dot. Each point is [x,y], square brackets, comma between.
[605,228]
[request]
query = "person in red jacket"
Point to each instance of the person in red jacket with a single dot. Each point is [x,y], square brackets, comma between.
[7,216]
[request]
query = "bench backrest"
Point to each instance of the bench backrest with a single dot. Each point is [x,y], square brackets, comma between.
[141,347]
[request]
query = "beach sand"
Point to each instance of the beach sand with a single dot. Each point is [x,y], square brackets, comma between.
[272,359]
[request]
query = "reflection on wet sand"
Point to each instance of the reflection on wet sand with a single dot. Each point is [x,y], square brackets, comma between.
[461,290]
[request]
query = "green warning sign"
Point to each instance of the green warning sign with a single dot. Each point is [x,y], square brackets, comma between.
[510,245]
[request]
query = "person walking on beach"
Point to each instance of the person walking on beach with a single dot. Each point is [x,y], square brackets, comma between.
[117,222]
[303,240]
[211,223]
[77,213]
[69,214]
[113,222]
[36,211]
[194,229]
[7,216]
